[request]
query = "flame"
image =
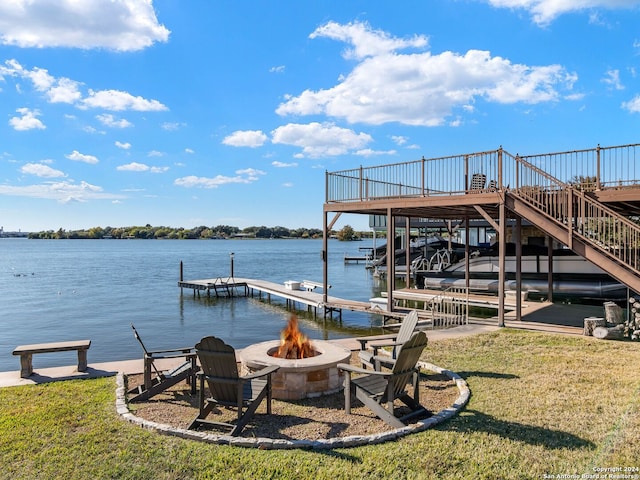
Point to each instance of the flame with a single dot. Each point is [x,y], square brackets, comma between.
[293,343]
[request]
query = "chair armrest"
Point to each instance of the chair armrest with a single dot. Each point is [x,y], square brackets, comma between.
[378,361]
[364,340]
[378,346]
[187,356]
[353,369]
[261,373]
[178,352]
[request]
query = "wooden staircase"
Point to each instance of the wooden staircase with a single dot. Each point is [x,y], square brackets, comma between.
[577,219]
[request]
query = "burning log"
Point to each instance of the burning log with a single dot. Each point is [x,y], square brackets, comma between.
[293,343]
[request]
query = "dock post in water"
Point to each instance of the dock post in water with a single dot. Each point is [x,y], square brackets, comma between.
[181,275]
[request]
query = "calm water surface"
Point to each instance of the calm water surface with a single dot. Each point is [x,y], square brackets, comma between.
[57,290]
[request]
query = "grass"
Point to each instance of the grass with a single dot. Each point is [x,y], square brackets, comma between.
[541,404]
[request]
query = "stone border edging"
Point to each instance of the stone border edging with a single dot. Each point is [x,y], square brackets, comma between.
[271,443]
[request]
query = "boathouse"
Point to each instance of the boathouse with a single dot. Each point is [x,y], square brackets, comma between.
[588,200]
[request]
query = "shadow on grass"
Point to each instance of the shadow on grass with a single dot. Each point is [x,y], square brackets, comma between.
[471,421]
[506,376]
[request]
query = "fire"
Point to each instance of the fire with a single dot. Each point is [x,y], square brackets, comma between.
[293,343]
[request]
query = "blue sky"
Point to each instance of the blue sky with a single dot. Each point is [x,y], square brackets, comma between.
[202,112]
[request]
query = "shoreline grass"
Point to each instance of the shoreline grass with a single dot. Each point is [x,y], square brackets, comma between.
[541,404]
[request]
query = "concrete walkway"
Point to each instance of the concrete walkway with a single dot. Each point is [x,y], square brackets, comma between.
[95,370]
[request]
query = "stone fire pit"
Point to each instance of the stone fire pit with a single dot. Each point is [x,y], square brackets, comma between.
[299,378]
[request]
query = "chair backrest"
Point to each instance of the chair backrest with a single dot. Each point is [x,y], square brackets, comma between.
[407,326]
[477,181]
[219,360]
[406,361]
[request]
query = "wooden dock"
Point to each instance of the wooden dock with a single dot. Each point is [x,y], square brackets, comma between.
[356,259]
[312,300]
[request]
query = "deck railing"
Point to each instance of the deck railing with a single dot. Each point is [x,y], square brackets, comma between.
[587,170]
[592,169]
[426,177]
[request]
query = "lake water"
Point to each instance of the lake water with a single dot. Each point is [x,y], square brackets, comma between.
[58,290]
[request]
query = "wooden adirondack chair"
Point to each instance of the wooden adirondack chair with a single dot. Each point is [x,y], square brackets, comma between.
[162,380]
[227,387]
[375,388]
[395,340]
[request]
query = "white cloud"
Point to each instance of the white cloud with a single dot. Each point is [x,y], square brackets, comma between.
[57,90]
[63,192]
[317,140]
[399,139]
[123,145]
[28,120]
[278,164]
[40,170]
[65,90]
[251,173]
[366,42]
[141,167]
[133,167]
[155,153]
[544,12]
[612,78]
[278,69]
[367,152]
[245,176]
[122,25]
[632,105]
[421,88]
[116,100]
[247,138]
[287,184]
[109,120]
[189,150]
[81,157]
[172,126]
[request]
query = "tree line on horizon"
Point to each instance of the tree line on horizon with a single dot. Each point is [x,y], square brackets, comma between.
[202,232]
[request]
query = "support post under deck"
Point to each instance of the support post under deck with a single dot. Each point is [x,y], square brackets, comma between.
[501,264]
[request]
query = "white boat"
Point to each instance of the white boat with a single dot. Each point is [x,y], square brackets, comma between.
[573,276]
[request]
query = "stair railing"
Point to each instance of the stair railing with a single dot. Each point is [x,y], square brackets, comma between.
[583,216]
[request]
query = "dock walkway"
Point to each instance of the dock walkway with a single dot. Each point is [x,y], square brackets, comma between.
[235,286]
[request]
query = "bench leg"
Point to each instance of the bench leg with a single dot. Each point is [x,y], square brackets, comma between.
[26,365]
[82,360]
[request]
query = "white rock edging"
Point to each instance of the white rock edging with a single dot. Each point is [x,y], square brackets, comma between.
[272,444]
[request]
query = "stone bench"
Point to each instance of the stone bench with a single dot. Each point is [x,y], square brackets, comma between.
[26,353]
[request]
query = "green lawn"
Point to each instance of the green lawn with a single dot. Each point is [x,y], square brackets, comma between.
[541,404]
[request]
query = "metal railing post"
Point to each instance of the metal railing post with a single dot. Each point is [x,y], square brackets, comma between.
[422,176]
[466,173]
[598,167]
[500,168]
[569,217]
